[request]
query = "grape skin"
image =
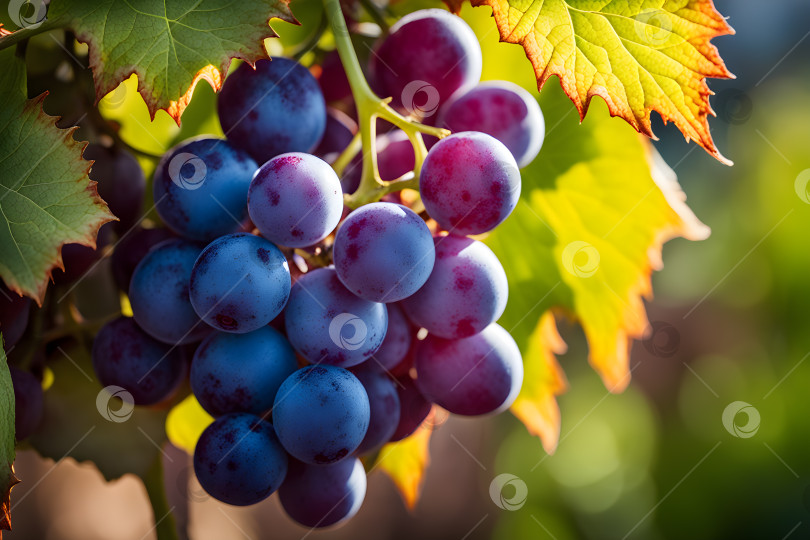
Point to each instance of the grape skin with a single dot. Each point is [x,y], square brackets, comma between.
[469,183]
[477,375]
[241,372]
[121,183]
[414,408]
[397,339]
[14,310]
[239,283]
[339,132]
[395,155]
[466,291]
[28,402]
[131,249]
[239,460]
[383,404]
[321,414]
[383,252]
[295,200]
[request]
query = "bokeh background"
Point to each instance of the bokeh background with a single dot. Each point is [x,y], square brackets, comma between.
[729,324]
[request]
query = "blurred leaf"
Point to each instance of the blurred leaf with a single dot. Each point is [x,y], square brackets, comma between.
[186,422]
[405,461]
[597,205]
[7,478]
[46,199]
[652,55]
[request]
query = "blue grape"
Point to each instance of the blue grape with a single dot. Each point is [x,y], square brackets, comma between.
[126,356]
[477,375]
[397,339]
[323,495]
[239,283]
[383,252]
[469,183]
[501,109]
[383,404]
[340,130]
[328,324]
[295,200]
[241,372]
[14,311]
[200,188]
[413,406]
[131,249]
[321,414]
[159,294]
[466,291]
[28,403]
[121,183]
[274,109]
[238,459]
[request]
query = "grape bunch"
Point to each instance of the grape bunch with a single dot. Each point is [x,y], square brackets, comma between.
[321,332]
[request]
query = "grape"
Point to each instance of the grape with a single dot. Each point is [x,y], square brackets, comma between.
[274,109]
[469,183]
[159,294]
[78,259]
[238,459]
[14,310]
[323,495]
[333,81]
[431,50]
[241,372]
[466,291]
[395,155]
[328,324]
[403,367]
[126,356]
[383,252]
[239,283]
[295,200]
[471,376]
[321,414]
[121,183]
[201,186]
[383,404]
[339,132]
[397,338]
[414,408]
[28,403]
[130,249]
[501,109]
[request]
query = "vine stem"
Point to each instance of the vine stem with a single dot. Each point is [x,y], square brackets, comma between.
[164,519]
[369,108]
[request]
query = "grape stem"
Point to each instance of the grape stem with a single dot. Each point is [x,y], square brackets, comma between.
[369,108]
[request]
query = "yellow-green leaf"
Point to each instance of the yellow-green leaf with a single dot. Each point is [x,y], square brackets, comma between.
[405,461]
[186,422]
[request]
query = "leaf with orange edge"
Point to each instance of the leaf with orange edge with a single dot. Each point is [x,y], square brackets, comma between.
[405,461]
[639,56]
[46,197]
[596,206]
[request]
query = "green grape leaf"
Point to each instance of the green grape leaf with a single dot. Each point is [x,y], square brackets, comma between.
[7,478]
[596,206]
[46,198]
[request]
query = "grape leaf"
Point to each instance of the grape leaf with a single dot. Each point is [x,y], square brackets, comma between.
[596,206]
[46,198]
[639,56]
[405,461]
[7,478]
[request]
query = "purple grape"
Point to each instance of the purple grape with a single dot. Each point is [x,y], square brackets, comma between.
[126,356]
[428,56]
[395,155]
[383,252]
[28,403]
[238,459]
[131,249]
[501,109]
[414,408]
[477,375]
[469,183]
[295,200]
[328,324]
[14,311]
[383,404]
[201,186]
[121,183]
[464,294]
[239,283]
[159,295]
[340,130]
[397,339]
[333,81]
[321,414]
[274,109]
[78,259]
[323,495]
[241,372]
